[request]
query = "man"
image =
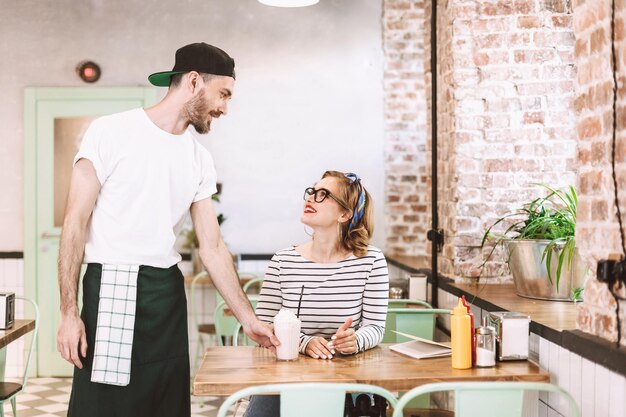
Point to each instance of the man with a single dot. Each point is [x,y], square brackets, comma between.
[135,176]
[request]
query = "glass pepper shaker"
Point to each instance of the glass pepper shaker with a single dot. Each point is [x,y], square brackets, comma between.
[485,346]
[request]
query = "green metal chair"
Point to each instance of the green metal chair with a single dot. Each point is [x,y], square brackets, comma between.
[226,324]
[208,330]
[308,400]
[9,390]
[245,340]
[405,302]
[420,322]
[486,399]
[390,337]
[253,285]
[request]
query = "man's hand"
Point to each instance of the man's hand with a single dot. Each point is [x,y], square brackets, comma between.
[344,341]
[319,348]
[70,338]
[263,334]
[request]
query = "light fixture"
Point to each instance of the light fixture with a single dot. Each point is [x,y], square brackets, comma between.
[88,71]
[289,3]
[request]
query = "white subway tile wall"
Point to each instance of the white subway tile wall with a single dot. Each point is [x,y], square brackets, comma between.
[588,396]
[617,394]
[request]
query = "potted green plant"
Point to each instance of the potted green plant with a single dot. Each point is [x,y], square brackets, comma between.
[541,247]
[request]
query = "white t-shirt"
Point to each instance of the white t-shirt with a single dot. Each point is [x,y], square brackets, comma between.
[149,179]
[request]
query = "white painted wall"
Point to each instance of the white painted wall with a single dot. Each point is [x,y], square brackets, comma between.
[308,95]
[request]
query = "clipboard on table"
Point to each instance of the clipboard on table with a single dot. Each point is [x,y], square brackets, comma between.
[419,348]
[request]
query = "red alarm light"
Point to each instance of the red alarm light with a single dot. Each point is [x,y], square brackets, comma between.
[88,71]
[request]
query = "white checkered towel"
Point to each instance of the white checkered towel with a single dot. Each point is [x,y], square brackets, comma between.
[116,324]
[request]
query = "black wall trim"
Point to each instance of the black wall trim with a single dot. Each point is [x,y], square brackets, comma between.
[256,256]
[243,257]
[11,255]
[588,346]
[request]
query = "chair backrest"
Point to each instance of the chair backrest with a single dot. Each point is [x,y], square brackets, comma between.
[487,399]
[246,341]
[308,400]
[34,337]
[253,286]
[420,322]
[406,302]
[226,322]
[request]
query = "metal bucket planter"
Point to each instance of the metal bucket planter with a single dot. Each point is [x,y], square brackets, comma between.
[530,274]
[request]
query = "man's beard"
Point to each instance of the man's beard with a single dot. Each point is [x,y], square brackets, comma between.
[195,111]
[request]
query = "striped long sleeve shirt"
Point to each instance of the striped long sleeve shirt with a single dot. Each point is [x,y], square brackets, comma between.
[357,287]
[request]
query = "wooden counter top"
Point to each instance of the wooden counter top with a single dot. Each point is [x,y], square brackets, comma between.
[417,264]
[19,329]
[556,315]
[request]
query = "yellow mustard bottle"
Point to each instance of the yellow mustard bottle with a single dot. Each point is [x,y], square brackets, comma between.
[461,337]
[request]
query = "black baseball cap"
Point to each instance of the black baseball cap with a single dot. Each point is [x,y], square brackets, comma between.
[200,57]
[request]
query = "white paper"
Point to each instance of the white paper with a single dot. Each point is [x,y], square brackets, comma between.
[515,338]
[419,348]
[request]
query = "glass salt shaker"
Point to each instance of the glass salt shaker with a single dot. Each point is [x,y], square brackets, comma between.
[485,346]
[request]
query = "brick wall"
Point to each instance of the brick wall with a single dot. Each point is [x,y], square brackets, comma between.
[405,127]
[506,89]
[597,232]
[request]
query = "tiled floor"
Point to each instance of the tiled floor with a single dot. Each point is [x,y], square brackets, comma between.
[48,397]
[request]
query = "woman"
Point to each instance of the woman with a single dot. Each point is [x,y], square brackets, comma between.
[346,283]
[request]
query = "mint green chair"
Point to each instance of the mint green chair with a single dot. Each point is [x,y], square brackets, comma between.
[420,322]
[9,390]
[486,399]
[226,324]
[308,400]
[390,336]
[245,340]
[254,285]
[405,302]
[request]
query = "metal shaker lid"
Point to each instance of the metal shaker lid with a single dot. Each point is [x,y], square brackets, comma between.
[485,330]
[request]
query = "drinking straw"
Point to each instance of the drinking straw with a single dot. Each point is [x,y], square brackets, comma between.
[300,302]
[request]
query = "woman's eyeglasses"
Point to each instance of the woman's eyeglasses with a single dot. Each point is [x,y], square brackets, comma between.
[320,195]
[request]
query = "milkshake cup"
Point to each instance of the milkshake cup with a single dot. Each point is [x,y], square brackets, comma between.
[287,330]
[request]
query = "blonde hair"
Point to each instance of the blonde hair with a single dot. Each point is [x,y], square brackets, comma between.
[357,238]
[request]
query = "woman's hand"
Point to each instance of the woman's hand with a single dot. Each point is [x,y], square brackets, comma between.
[318,348]
[344,341]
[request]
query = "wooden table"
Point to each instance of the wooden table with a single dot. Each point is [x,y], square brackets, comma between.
[227,369]
[19,329]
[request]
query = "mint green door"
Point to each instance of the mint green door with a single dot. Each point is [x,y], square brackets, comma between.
[55,120]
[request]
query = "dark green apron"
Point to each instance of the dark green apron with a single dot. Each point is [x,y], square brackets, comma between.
[159,380]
